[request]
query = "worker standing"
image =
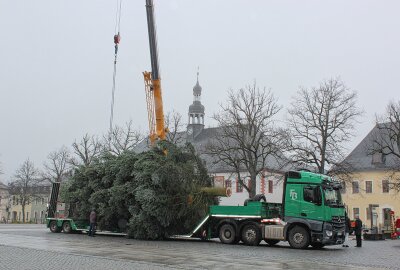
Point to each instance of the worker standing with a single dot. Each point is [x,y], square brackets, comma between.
[358,230]
[92,220]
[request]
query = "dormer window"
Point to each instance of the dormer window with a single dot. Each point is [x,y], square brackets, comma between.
[378,158]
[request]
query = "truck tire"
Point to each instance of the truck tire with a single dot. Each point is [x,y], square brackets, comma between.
[53,227]
[251,235]
[299,237]
[272,242]
[67,227]
[227,234]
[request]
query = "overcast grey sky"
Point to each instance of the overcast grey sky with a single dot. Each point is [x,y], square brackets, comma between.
[56,61]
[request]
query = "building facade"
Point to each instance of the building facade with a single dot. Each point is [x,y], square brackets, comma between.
[36,207]
[4,203]
[269,184]
[368,195]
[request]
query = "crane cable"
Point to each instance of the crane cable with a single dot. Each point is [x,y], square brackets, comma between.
[117,39]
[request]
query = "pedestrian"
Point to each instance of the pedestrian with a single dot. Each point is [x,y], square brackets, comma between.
[92,221]
[346,229]
[358,230]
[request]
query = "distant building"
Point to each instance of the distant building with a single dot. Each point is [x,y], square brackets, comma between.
[4,202]
[369,195]
[269,184]
[35,208]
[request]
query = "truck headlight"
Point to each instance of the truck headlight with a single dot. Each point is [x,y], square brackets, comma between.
[329,233]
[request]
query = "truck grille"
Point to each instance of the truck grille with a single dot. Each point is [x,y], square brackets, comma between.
[338,222]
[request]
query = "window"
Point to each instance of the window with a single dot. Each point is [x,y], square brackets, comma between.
[355,187]
[367,210]
[228,183]
[218,181]
[13,200]
[308,194]
[378,158]
[270,186]
[343,190]
[356,212]
[368,186]
[262,184]
[385,186]
[239,186]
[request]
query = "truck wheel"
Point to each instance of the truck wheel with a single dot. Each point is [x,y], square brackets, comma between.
[299,237]
[251,235]
[53,227]
[272,242]
[67,227]
[317,245]
[227,234]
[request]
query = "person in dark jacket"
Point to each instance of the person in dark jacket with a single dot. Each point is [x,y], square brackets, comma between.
[358,230]
[92,220]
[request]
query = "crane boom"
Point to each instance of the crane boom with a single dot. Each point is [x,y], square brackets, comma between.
[152,81]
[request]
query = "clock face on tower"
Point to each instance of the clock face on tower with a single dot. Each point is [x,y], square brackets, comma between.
[190,131]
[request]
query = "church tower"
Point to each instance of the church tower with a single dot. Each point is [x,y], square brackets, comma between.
[196,113]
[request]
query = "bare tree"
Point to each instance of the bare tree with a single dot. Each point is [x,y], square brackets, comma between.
[321,120]
[56,168]
[247,136]
[26,178]
[121,139]
[86,150]
[173,122]
[386,143]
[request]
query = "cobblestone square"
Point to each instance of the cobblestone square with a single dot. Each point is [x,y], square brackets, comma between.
[35,247]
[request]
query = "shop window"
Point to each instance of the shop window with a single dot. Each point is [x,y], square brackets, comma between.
[368,211]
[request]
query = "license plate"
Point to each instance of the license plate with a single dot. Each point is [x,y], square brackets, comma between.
[340,233]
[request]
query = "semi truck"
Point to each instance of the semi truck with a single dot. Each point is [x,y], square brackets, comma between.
[311,213]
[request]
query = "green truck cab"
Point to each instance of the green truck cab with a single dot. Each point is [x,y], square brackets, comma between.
[311,213]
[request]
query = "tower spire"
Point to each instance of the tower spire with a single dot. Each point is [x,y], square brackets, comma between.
[196,110]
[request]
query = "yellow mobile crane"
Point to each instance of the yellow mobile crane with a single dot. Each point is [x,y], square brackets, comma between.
[152,83]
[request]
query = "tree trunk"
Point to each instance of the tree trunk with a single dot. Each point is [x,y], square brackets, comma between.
[253,186]
[23,213]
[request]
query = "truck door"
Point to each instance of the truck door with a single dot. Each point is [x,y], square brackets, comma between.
[293,196]
[311,205]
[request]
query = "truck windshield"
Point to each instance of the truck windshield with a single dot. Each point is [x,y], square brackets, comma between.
[333,197]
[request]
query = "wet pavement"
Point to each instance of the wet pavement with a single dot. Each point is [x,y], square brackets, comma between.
[35,247]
